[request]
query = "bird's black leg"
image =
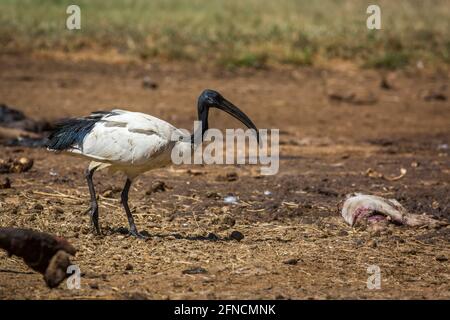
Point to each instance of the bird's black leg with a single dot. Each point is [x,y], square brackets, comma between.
[93,210]
[124,197]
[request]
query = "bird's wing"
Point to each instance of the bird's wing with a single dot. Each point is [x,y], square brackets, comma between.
[125,137]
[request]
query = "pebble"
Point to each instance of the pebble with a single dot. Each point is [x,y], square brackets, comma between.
[342,233]
[148,83]
[372,243]
[38,207]
[441,258]
[58,210]
[94,286]
[236,235]
[157,186]
[292,261]
[129,267]
[5,183]
[196,270]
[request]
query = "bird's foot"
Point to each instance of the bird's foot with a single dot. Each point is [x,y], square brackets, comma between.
[93,213]
[96,230]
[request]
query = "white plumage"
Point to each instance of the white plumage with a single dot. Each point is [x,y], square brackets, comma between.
[131,142]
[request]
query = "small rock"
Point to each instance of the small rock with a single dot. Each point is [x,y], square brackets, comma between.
[58,210]
[16,166]
[148,83]
[434,95]
[195,172]
[129,267]
[291,262]
[157,186]
[5,183]
[135,296]
[38,207]
[441,258]
[372,243]
[236,235]
[230,176]
[342,233]
[196,270]
[108,194]
[213,195]
[94,286]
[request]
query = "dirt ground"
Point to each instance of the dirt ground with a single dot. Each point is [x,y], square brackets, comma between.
[335,124]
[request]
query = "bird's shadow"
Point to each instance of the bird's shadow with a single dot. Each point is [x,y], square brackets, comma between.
[210,237]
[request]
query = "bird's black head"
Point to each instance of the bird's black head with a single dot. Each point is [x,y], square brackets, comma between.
[213,99]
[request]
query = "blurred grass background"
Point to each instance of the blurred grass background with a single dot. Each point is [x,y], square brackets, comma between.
[236,33]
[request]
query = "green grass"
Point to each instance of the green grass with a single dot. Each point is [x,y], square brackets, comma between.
[236,33]
[389,60]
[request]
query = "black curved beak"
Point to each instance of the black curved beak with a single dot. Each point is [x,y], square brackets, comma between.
[234,111]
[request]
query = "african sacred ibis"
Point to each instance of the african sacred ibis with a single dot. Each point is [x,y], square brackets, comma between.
[131,142]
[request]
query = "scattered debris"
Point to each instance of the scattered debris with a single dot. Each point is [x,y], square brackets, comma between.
[38,207]
[148,83]
[360,209]
[94,285]
[44,253]
[135,296]
[108,193]
[227,220]
[5,183]
[231,199]
[213,195]
[441,258]
[196,270]
[375,174]
[157,186]
[129,267]
[16,165]
[224,222]
[372,243]
[230,176]
[13,133]
[18,130]
[385,84]
[267,193]
[436,94]
[8,115]
[195,172]
[352,96]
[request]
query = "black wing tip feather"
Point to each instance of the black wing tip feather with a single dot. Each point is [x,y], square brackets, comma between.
[71,132]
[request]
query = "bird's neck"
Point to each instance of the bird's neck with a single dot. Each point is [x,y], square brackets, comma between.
[200,128]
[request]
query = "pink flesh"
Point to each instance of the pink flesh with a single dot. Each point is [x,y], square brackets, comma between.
[376,218]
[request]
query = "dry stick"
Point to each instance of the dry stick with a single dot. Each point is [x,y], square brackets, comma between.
[57,195]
